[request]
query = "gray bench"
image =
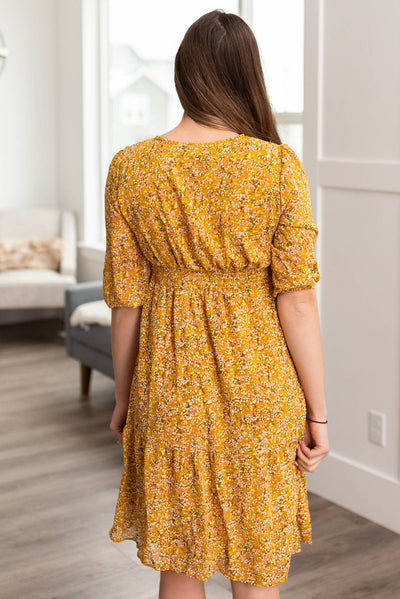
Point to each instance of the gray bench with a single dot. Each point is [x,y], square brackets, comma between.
[91,348]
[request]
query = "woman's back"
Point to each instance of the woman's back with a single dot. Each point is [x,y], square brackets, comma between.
[213,206]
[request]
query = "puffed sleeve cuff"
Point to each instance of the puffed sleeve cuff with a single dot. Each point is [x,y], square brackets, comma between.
[128,292]
[294,265]
[293,262]
[126,271]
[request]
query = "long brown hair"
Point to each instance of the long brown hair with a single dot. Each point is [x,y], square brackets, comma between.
[219,77]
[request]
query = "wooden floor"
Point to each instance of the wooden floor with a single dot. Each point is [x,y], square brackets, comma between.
[60,474]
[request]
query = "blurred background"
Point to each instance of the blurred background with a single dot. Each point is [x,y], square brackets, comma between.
[81,79]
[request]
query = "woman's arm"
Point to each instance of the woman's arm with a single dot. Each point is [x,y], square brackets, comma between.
[125,332]
[298,314]
[299,317]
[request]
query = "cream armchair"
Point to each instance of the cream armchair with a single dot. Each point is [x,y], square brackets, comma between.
[38,288]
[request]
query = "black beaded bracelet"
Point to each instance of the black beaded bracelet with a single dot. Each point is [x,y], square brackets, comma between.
[319,421]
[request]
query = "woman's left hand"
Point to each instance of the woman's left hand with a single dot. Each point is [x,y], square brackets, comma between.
[118,420]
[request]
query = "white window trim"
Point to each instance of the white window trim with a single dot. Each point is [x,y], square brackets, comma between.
[95,118]
[91,120]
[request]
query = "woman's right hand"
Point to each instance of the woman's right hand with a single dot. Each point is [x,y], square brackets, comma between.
[313,448]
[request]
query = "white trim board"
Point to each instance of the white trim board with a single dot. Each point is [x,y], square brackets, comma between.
[358,488]
[367,175]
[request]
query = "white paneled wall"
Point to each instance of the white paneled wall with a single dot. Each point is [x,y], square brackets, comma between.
[352,156]
[361,50]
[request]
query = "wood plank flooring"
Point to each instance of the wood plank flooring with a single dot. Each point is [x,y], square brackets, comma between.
[60,473]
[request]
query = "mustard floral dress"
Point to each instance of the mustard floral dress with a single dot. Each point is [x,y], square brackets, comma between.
[204,236]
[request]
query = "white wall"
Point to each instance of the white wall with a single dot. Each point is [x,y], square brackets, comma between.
[28,116]
[41,119]
[352,155]
[41,107]
[28,148]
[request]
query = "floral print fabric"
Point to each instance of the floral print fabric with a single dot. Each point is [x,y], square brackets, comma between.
[204,236]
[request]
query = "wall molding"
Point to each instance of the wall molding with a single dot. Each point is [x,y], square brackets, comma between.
[359,488]
[357,174]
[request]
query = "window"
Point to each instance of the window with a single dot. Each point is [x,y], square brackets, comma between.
[139,97]
[143,40]
[279,29]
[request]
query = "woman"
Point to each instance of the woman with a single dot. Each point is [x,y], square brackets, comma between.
[210,273]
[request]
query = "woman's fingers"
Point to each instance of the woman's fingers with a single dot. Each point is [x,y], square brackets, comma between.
[309,455]
[308,459]
[306,465]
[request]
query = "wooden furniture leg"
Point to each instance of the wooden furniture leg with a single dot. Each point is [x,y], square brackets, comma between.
[86,372]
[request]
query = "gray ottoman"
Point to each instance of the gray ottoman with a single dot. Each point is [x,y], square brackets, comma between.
[91,347]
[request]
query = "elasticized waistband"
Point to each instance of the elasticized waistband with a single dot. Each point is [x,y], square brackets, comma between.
[232,278]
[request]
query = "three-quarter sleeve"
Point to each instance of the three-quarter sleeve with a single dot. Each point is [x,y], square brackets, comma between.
[293,262]
[126,271]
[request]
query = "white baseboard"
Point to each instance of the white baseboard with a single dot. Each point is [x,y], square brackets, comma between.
[365,491]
